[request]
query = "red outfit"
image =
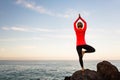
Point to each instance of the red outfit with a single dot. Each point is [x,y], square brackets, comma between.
[80,33]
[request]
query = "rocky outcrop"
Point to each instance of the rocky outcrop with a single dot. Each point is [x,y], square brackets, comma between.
[86,75]
[105,71]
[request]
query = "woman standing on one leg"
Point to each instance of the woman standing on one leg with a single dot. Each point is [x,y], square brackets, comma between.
[80,39]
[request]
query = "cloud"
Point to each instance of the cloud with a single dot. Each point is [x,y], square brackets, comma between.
[38,38]
[33,6]
[18,29]
[70,13]
[43,30]
[20,39]
[5,28]
[44,34]
[14,28]
[25,29]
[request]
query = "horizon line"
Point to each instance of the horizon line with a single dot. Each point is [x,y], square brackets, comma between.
[57,59]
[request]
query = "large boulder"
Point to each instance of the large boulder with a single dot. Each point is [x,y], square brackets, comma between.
[107,71]
[86,75]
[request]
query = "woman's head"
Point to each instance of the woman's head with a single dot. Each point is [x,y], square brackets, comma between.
[80,25]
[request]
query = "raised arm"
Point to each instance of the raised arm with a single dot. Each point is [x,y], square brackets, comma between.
[80,18]
[85,24]
[75,28]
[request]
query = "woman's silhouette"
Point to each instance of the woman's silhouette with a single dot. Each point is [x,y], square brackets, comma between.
[80,29]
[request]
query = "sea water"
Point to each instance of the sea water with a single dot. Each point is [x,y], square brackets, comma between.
[43,70]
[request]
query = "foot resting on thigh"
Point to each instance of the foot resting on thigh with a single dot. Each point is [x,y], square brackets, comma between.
[83,52]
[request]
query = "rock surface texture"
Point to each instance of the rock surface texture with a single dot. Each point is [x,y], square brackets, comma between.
[105,71]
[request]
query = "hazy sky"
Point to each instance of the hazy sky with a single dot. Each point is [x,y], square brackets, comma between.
[43,29]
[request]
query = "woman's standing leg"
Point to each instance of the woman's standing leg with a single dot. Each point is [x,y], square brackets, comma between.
[79,50]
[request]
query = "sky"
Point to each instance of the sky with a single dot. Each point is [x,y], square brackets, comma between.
[43,29]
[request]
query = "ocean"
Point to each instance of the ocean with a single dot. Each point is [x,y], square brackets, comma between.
[44,70]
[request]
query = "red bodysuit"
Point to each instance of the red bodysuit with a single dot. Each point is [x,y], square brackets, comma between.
[80,33]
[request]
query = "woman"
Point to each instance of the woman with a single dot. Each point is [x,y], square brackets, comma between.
[80,39]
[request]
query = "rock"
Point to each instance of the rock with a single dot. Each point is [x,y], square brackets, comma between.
[67,78]
[86,75]
[119,75]
[107,71]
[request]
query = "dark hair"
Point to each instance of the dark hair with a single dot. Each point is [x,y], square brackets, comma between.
[79,24]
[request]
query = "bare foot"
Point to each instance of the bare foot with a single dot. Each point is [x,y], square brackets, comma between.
[83,52]
[82,70]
